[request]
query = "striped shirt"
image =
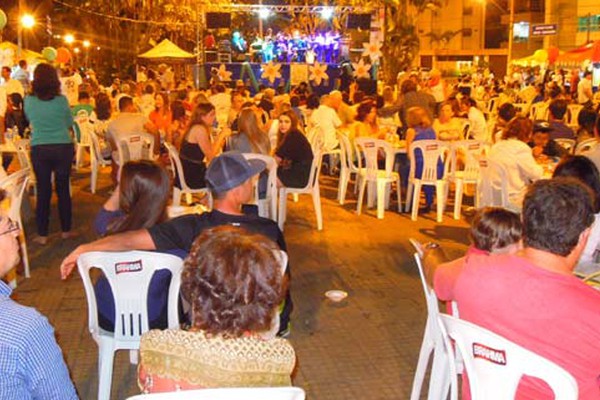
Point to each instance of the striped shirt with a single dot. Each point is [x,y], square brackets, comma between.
[31,363]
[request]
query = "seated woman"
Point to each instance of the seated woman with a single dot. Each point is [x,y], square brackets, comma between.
[294,154]
[513,153]
[139,202]
[250,138]
[234,296]
[197,149]
[419,128]
[584,170]
[446,126]
[366,121]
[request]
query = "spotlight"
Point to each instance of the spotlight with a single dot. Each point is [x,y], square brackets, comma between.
[326,12]
[264,13]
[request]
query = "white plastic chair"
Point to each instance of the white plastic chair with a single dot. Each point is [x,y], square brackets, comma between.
[573,114]
[267,207]
[97,161]
[372,175]
[432,151]
[85,128]
[129,275]
[433,342]
[347,167]
[185,189]
[539,111]
[585,145]
[312,188]
[493,184]
[567,144]
[24,155]
[14,185]
[266,393]
[495,365]
[134,147]
[315,138]
[472,151]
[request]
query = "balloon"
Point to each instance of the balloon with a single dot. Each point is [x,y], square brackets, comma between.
[63,55]
[49,53]
[3,19]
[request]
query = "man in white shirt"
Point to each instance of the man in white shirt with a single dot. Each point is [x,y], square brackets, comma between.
[69,86]
[130,122]
[11,85]
[22,75]
[222,102]
[326,119]
[584,89]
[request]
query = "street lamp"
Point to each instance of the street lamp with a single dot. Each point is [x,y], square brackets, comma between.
[69,39]
[86,46]
[26,21]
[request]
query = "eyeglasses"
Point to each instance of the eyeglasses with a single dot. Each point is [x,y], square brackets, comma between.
[12,227]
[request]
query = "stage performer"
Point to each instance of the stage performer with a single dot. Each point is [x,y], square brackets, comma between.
[239,44]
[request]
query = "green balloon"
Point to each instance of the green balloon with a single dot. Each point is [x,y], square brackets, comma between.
[3,19]
[49,53]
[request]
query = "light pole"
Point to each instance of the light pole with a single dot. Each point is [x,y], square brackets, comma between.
[86,46]
[511,24]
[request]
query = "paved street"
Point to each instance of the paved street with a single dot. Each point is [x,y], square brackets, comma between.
[365,347]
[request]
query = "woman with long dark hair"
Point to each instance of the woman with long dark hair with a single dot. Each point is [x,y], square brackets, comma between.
[139,202]
[250,138]
[294,154]
[51,148]
[197,145]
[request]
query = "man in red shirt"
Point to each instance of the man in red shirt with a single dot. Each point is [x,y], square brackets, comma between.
[532,297]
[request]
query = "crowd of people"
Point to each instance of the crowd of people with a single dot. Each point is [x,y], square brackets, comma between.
[236,298]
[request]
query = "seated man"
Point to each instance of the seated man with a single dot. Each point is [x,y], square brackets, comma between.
[557,112]
[229,177]
[532,298]
[129,122]
[31,363]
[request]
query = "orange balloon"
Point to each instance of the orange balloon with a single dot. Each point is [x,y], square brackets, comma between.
[63,55]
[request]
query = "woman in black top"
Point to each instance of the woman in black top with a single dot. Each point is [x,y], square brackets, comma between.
[294,154]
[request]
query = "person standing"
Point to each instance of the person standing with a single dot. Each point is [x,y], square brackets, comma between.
[51,148]
[584,89]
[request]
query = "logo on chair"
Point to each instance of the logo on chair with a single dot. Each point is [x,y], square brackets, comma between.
[134,139]
[128,266]
[489,354]
[431,147]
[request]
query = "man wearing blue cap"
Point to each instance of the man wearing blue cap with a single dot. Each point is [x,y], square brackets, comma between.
[229,177]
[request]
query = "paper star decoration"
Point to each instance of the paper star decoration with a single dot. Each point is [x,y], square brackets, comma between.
[372,50]
[361,70]
[224,75]
[318,73]
[271,71]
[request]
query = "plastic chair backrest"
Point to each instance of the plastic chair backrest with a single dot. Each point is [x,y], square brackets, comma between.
[585,145]
[346,151]
[85,128]
[96,151]
[493,184]
[495,365]
[271,181]
[14,185]
[129,274]
[265,393]
[492,105]
[134,147]
[370,149]
[573,113]
[472,150]
[315,169]
[432,151]
[175,160]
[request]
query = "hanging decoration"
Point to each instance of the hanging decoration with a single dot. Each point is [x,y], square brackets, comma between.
[49,53]
[224,75]
[3,19]
[63,55]
[318,73]
[372,50]
[271,71]
[361,70]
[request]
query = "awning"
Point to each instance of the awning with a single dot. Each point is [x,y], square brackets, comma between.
[166,50]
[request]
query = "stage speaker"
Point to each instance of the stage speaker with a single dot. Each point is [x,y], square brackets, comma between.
[216,20]
[359,21]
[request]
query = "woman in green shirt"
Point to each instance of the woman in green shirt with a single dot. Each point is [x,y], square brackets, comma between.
[51,148]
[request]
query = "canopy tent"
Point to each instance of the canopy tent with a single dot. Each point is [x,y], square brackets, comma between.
[589,52]
[9,51]
[167,51]
[537,58]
